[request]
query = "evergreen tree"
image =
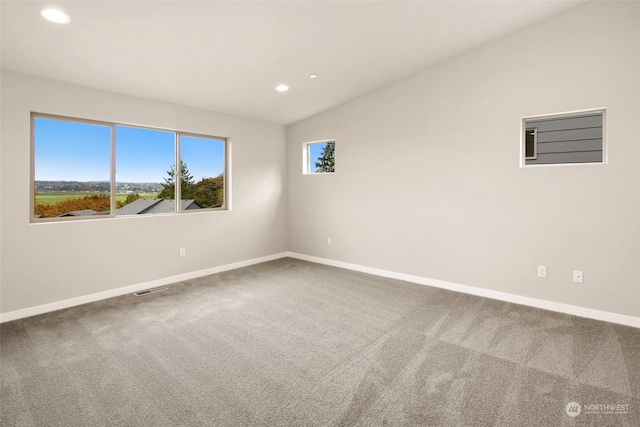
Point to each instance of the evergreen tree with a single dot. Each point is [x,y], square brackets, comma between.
[327,160]
[187,186]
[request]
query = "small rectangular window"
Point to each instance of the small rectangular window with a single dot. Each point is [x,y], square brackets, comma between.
[91,169]
[564,138]
[319,157]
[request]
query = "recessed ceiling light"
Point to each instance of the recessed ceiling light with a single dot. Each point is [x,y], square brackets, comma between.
[313,76]
[282,88]
[55,15]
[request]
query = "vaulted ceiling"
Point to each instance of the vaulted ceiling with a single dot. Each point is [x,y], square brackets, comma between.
[229,56]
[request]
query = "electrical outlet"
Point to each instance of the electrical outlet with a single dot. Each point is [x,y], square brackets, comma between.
[578,276]
[542,271]
[183,252]
[329,241]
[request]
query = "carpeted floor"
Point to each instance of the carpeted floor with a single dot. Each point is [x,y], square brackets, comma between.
[291,343]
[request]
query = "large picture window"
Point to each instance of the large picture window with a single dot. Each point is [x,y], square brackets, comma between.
[90,169]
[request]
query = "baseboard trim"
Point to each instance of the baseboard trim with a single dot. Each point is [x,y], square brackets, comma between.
[59,305]
[590,313]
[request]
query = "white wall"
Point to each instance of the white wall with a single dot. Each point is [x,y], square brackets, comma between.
[428,181]
[48,263]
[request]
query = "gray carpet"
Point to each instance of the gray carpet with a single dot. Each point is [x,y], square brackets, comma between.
[291,343]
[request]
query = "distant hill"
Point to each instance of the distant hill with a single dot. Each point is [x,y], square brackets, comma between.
[95,186]
[46,186]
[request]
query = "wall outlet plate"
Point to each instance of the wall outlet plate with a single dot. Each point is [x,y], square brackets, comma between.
[542,271]
[578,276]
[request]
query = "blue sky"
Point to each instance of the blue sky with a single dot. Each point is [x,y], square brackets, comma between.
[71,151]
[315,152]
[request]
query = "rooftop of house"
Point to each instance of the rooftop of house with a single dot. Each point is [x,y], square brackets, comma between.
[82,212]
[150,206]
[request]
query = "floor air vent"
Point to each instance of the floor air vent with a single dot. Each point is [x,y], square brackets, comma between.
[149,291]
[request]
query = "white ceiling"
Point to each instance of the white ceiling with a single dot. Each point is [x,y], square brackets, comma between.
[229,56]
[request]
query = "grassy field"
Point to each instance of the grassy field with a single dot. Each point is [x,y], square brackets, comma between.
[53,198]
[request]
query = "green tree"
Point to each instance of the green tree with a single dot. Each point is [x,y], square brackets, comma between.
[187,186]
[327,160]
[132,197]
[209,192]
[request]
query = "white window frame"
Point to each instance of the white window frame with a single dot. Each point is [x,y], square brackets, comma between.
[226,206]
[564,114]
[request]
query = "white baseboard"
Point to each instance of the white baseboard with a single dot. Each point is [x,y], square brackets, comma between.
[502,296]
[590,313]
[59,305]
